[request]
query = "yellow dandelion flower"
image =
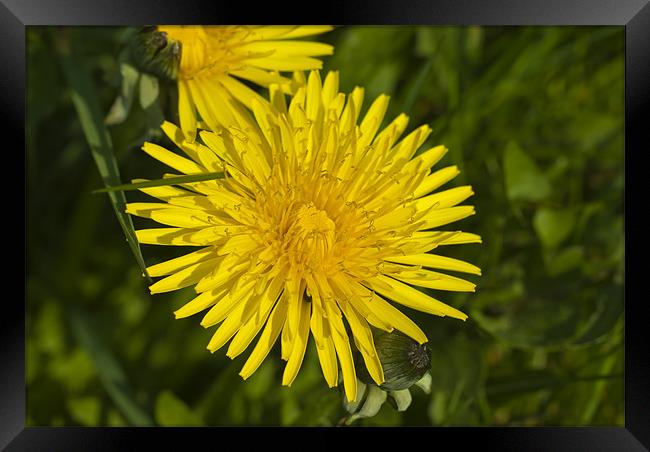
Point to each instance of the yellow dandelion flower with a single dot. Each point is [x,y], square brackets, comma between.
[215,58]
[319,225]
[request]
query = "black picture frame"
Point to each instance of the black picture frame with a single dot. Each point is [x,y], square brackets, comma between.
[634,15]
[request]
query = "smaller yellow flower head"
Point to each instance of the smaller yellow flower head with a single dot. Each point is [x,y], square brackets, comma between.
[320,225]
[214,60]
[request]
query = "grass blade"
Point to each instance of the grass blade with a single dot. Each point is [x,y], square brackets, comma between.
[88,110]
[162,182]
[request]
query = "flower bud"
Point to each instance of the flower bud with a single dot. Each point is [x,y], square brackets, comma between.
[404,360]
[154,52]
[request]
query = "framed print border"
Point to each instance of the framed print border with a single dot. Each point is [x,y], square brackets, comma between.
[634,15]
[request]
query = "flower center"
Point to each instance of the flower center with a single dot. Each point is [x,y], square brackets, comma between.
[310,237]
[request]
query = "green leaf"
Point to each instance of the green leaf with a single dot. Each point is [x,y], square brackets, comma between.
[86,104]
[161,182]
[553,225]
[171,411]
[524,180]
[563,261]
[531,322]
[608,311]
[110,373]
[122,105]
[148,90]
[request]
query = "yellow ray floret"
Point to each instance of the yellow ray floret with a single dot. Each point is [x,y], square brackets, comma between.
[322,225]
[215,59]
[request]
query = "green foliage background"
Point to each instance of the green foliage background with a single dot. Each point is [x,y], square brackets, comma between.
[533,117]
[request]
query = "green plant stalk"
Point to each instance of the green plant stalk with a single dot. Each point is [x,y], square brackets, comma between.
[85,102]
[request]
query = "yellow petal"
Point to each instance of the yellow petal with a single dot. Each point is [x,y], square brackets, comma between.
[447,215]
[330,88]
[164,193]
[436,179]
[237,317]
[276,95]
[186,111]
[293,296]
[180,236]
[434,280]
[389,313]
[314,105]
[413,298]
[174,265]
[186,277]
[287,32]
[427,158]
[406,148]
[358,296]
[286,63]
[363,338]
[299,346]
[447,198]
[240,91]
[267,339]
[212,102]
[197,152]
[267,122]
[249,330]
[240,243]
[394,130]
[462,238]
[259,76]
[201,302]
[289,48]
[196,202]
[324,346]
[436,261]
[226,304]
[172,160]
[344,352]
[419,242]
[373,120]
[208,159]
[222,273]
[178,217]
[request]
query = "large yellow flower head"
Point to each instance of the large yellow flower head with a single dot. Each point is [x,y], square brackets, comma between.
[214,58]
[320,220]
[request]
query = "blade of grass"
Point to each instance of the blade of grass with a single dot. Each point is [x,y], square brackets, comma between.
[110,373]
[162,182]
[84,99]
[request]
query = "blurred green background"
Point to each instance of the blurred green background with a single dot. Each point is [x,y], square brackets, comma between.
[533,117]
